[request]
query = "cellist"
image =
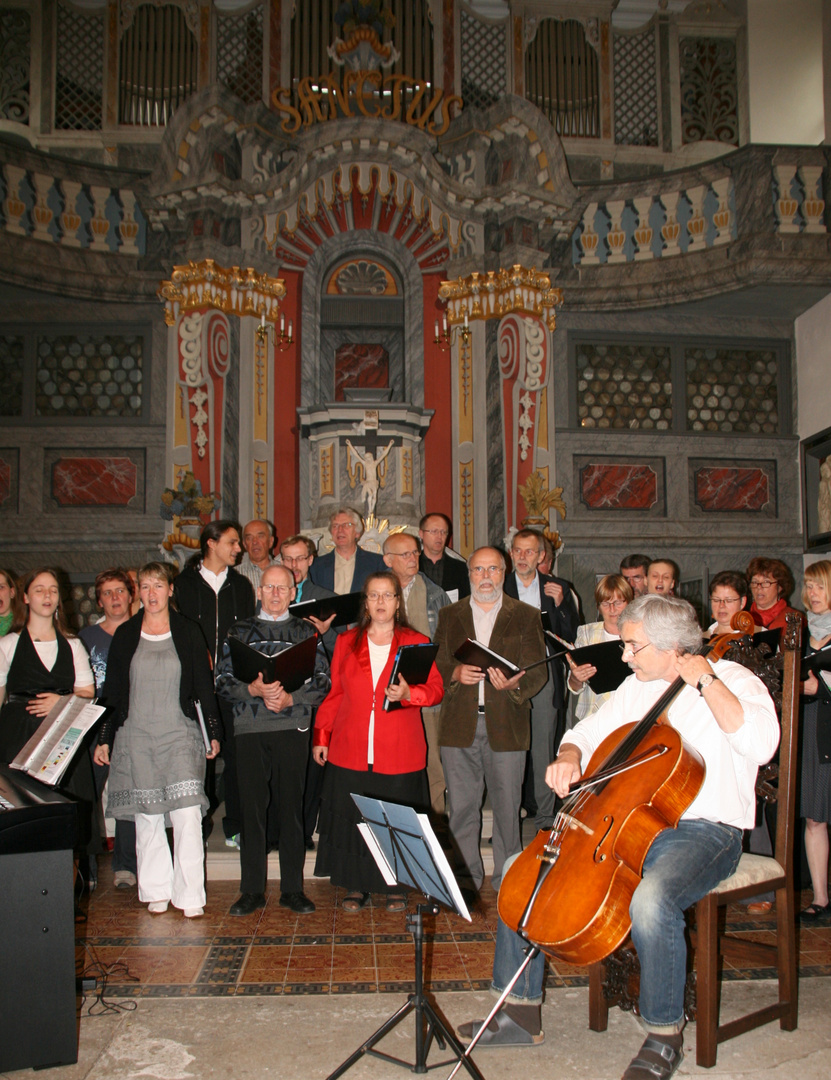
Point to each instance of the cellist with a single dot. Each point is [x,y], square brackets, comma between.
[727,715]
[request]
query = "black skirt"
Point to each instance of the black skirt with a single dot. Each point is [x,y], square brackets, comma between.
[342,855]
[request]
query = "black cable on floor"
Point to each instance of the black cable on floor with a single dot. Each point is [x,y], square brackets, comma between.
[101,972]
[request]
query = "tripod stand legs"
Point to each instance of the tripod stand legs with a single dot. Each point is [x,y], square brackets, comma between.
[436,1029]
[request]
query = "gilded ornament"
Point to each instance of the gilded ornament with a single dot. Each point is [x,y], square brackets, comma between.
[539,500]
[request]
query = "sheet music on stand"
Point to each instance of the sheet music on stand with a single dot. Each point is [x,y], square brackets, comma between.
[407,852]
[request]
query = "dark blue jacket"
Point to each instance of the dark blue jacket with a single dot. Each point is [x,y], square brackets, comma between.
[322,570]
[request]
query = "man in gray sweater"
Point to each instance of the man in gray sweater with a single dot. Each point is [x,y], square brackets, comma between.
[271,728]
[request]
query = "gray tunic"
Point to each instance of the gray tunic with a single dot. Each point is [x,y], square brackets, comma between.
[158,761]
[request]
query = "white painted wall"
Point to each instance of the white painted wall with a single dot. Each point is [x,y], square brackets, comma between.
[784,45]
[812,333]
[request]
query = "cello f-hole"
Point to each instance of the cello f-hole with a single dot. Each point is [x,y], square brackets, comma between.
[598,856]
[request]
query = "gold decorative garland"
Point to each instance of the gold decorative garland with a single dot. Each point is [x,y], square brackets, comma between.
[500,292]
[232,290]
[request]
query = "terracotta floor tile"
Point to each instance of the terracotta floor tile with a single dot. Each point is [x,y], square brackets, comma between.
[311,958]
[180,965]
[327,951]
[354,975]
[266,964]
[361,955]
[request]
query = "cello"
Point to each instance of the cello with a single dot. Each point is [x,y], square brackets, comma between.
[569,891]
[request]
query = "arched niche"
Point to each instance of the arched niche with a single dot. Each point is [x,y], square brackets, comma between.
[362,294]
[324,328]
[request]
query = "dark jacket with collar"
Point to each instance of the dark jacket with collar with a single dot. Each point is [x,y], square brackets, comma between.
[196,681]
[322,570]
[448,573]
[564,620]
[517,635]
[215,614]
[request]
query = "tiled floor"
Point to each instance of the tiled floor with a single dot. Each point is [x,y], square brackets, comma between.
[275,951]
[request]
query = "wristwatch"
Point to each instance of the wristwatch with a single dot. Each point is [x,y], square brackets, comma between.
[705,680]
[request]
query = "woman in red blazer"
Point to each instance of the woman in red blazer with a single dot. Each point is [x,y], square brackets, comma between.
[369,751]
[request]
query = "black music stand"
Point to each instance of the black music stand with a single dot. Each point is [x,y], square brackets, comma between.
[407,852]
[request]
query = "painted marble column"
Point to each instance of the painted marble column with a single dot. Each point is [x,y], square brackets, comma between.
[524,359]
[203,359]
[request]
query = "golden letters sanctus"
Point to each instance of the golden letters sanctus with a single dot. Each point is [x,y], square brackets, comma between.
[366,93]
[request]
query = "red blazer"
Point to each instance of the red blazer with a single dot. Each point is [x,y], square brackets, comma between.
[342,721]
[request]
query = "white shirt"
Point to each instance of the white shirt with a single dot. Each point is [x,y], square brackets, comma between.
[378,656]
[216,581]
[483,622]
[529,594]
[728,793]
[48,652]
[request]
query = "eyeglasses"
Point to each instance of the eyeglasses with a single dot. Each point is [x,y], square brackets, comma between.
[633,650]
[756,583]
[288,560]
[114,592]
[375,596]
[277,588]
[436,532]
[405,554]
[491,571]
[613,603]
[722,601]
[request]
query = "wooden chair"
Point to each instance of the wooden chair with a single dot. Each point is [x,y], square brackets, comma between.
[755,874]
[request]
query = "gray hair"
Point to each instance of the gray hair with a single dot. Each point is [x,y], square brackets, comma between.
[487,547]
[353,516]
[669,622]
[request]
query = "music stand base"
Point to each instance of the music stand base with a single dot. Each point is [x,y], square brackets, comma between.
[420,1004]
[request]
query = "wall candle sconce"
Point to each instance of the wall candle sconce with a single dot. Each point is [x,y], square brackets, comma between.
[282,340]
[451,334]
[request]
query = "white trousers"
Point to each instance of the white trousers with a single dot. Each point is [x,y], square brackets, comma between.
[180,879]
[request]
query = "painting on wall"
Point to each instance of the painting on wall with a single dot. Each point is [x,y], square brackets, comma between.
[365,367]
[815,458]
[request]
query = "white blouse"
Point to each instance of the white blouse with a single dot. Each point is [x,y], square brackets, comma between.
[48,653]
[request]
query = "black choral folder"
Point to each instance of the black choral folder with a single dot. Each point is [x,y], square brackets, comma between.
[291,667]
[344,607]
[607,657]
[414,663]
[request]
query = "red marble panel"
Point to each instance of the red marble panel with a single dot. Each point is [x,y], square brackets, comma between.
[5,480]
[619,487]
[94,481]
[360,365]
[729,488]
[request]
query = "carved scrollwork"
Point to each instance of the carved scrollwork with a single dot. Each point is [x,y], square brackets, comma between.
[15,41]
[190,9]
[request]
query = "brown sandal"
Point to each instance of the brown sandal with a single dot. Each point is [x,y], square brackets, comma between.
[353,902]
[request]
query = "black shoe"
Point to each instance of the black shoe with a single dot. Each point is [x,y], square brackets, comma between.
[470,897]
[298,902]
[310,844]
[247,903]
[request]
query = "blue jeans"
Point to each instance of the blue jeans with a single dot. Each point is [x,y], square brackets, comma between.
[682,865]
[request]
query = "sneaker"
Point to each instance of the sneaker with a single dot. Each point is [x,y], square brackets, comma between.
[194,912]
[232,841]
[124,879]
[158,907]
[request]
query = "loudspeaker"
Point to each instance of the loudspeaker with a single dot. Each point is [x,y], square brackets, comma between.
[38,1025]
